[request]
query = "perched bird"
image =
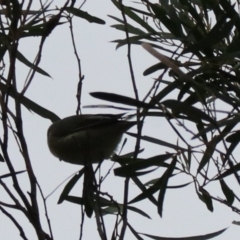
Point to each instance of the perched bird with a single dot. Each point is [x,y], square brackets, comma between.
[87,139]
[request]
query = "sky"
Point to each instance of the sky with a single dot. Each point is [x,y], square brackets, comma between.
[105,69]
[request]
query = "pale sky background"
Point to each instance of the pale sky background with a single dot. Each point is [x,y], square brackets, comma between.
[105,69]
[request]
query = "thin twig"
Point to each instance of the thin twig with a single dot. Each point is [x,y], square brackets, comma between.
[81,77]
[15,222]
[46,211]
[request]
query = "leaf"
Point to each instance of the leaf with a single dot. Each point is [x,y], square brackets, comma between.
[205,197]
[22,59]
[236,223]
[117,19]
[160,66]
[211,146]
[199,237]
[141,12]
[131,169]
[79,13]
[153,181]
[134,232]
[120,99]
[70,185]
[74,199]
[227,192]
[29,104]
[112,209]
[157,141]
[132,40]
[132,173]
[125,158]
[139,211]
[179,186]
[11,174]
[154,68]
[103,201]
[190,111]
[187,159]
[165,179]
[130,28]
[81,201]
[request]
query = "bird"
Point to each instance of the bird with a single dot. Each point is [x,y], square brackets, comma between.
[84,140]
[87,138]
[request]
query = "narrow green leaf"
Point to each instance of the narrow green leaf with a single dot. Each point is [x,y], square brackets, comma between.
[141,12]
[227,192]
[211,146]
[79,13]
[199,237]
[74,199]
[154,68]
[136,234]
[130,29]
[29,104]
[22,59]
[11,174]
[165,179]
[189,157]
[139,211]
[70,185]
[184,108]
[236,223]
[117,19]
[158,141]
[120,99]
[113,209]
[132,40]
[132,173]
[153,181]
[205,197]
[179,186]
[140,164]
